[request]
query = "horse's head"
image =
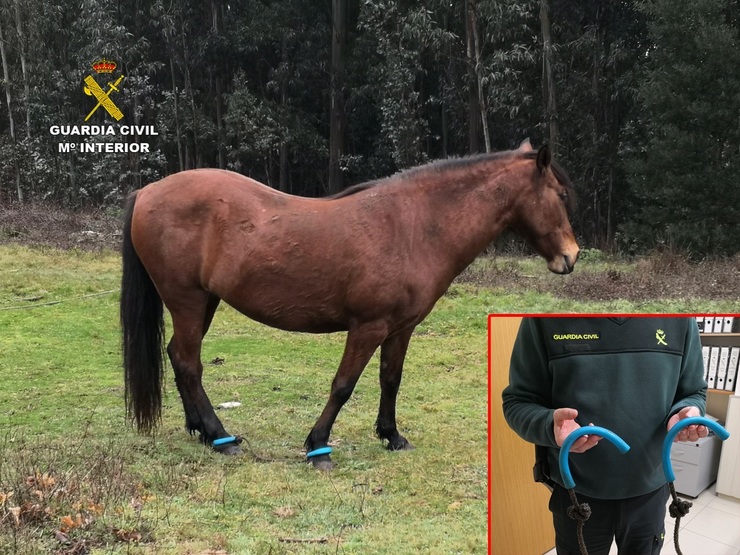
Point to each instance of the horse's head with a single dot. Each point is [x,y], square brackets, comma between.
[542,211]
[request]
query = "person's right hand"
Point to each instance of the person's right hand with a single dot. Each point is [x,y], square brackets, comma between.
[564,422]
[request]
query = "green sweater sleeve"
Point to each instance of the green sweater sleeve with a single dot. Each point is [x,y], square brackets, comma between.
[692,388]
[526,398]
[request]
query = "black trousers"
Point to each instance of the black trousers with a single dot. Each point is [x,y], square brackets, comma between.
[636,524]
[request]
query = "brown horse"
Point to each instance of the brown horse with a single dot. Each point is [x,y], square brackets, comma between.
[372,261]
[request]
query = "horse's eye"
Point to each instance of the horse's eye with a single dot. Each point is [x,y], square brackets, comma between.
[563,196]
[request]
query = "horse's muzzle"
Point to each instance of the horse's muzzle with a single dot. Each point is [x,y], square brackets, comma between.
[563,264]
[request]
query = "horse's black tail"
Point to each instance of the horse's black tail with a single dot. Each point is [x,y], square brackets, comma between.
[142,326]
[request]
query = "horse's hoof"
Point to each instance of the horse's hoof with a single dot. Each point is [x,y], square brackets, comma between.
[400,444]
[228,445]
[229,450]
[322,462]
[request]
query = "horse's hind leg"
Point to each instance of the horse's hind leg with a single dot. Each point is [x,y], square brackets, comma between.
[362,342]
[392,354]
[193,422]
[190,321]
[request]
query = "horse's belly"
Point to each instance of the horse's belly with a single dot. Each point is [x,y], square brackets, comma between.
[290,309]
[296,322]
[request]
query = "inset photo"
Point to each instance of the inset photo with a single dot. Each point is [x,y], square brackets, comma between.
[614,433]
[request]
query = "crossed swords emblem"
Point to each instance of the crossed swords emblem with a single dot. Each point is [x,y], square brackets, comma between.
[103,97]
[660,336]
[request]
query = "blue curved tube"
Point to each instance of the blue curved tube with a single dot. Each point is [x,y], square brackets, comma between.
[618,442]
[318,452]
[223,441]
[673,432]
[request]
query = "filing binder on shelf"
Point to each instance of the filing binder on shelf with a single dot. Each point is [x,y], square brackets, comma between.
[732,367]
[724,357]
[708,324]
[712,369]
[705,350]
[727,324]
[700,323]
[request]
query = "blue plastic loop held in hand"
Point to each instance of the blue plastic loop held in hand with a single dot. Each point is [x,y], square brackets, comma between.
[318,452]
[224,441]
[673,432]
[618,442]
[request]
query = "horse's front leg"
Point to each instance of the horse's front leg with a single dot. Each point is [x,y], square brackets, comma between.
[362,341]
[392,354]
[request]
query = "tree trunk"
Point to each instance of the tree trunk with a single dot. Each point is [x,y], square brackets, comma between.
[72,175]
[548,77]
[6,81]
[473,15]
[219,99]
[613,164]
[284,151]
[220,124]
[178,136]
[474,120]
[11,121]
[337,116]
[284,168]
[443,104]
[22,54]
[191,96]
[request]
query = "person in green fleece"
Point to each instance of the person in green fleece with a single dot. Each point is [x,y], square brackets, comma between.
[634,376]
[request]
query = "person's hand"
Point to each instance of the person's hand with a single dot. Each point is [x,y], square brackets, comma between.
[689,433]
[564,422]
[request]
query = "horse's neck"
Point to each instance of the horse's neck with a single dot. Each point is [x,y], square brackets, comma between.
[472,205]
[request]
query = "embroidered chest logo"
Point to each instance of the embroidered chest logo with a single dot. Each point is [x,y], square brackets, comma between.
[660,336]
[576,336]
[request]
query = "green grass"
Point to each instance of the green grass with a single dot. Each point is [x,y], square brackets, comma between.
[75,476]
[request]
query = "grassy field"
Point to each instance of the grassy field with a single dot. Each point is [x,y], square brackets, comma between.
[75,478]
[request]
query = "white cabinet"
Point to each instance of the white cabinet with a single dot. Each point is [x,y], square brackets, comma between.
[695,464]
[728,479]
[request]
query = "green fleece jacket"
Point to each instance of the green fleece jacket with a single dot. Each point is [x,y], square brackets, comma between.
[629,375]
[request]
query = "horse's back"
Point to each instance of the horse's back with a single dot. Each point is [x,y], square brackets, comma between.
[174,219]
[191,202]
[204,186]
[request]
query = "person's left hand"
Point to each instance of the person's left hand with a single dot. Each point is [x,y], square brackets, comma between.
[689,433]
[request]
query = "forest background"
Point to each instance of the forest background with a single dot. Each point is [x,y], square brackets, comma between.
[640,99]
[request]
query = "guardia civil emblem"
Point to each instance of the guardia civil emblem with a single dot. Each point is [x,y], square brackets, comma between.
[660,336]
[104,68]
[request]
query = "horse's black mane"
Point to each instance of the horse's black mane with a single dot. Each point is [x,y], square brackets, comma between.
[454,164]
[354,189]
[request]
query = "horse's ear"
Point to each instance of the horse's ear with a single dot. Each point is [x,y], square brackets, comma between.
[525,145]
[544,158]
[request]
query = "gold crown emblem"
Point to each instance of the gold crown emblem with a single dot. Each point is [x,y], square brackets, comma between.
[104,66]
